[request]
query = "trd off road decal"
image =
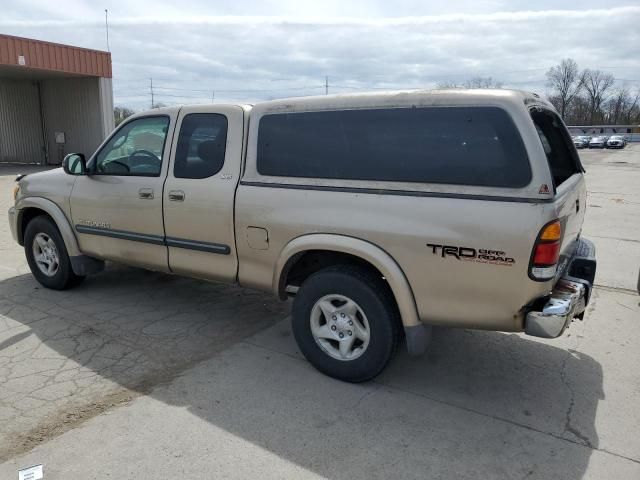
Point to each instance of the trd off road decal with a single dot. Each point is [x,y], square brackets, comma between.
[94,223]
[468,254]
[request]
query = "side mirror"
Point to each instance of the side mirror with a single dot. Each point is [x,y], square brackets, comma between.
[75,164]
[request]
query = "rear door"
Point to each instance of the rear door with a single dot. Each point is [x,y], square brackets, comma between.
[568,179]
[200,190]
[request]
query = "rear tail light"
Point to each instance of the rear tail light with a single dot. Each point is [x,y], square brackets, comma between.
[546,252]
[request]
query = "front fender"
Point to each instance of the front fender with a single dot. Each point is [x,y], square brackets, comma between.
[58,216]
[367,251]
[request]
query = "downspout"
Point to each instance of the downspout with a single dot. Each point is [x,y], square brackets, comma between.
[43,125]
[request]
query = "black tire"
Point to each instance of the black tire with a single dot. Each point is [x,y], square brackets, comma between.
[64,277]
[376,301]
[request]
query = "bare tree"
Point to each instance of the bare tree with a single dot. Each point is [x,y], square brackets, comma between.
[577,112]
[597,85]
[121,113]
[482,82]
[631,111]
[447,84]
[617,105]
[566,81]
[475,82]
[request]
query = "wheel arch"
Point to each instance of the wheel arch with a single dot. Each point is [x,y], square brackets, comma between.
[365,252]
[30,207]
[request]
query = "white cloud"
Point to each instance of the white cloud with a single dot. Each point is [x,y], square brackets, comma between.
[255,57]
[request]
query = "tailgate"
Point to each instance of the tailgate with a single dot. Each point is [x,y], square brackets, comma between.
[569,206]
[568,179]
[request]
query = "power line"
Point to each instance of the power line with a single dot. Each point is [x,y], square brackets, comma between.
[373,83]
[248,90]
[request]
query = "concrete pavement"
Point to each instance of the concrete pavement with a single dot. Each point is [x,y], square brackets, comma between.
[133,386]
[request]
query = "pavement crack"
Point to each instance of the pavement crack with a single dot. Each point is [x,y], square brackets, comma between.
[627,307]
[626,291]
[580,442]
[632,240]
[568,426]
[366,394]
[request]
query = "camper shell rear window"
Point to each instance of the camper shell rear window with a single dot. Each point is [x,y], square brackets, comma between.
[558,146]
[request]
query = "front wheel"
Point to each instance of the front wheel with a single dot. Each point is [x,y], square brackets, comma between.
[47,255]
[346,323]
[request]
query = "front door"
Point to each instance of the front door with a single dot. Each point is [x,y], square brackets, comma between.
[200,190]
[117,208]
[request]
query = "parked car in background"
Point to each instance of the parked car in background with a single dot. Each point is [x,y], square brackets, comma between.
[581,141]
[616,141]
[598,142]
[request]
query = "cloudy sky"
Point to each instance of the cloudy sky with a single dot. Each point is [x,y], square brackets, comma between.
[258,49]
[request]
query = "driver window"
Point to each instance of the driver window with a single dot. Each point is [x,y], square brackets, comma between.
[136,149]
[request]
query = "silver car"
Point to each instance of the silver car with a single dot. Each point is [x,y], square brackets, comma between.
[598,142]
[581,141]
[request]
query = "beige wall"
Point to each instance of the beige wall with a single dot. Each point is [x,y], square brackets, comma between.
[81,107]
[106,99]
[73,106]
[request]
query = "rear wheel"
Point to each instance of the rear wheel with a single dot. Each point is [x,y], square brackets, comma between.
[346,322]
[47,255]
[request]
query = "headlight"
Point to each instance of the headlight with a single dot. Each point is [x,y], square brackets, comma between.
[16,190]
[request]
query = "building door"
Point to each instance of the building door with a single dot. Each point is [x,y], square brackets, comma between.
[21,139]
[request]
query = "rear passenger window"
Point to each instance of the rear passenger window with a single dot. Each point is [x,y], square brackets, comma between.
[201,145]
[457,145]
[557,144]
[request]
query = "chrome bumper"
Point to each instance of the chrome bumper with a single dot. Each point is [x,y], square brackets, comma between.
[550,316]
[12,223]
[567,301]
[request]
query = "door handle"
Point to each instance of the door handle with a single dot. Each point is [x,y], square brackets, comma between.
[145,193]
[577,205]
[176,195]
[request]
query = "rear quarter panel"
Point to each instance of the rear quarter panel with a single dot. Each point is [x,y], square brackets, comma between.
[447,290]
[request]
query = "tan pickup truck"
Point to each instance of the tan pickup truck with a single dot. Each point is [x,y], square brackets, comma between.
[381,214]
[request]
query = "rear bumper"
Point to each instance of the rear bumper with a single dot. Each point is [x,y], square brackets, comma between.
[550,316]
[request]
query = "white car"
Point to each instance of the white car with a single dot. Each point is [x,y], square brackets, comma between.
[616,141]
[598,142]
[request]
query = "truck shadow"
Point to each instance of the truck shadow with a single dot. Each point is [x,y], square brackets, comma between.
[480,403]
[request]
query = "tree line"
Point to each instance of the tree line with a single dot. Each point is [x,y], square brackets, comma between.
[591,97]
[120,114]
[582,97]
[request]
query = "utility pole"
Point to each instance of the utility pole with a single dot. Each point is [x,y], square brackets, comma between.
[151,86]
[213,96]
[326,84]
[106,25]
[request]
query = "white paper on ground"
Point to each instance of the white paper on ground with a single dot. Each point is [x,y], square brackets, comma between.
[31,473]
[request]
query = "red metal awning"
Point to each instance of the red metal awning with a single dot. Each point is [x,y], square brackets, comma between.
[28,54]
